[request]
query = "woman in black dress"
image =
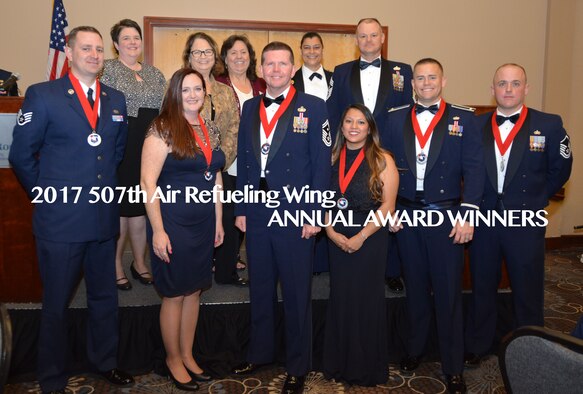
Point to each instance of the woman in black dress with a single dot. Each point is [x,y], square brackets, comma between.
[365,179]
[143,86]
[182,151]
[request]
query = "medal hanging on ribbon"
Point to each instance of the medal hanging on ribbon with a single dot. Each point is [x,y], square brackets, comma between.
[423,138]
[205,147]
[269,126]
[91,114]
[503,146]
[344,180]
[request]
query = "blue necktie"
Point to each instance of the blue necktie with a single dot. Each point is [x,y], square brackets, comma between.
[375,63]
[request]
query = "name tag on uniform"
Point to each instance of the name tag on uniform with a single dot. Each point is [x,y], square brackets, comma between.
[117,118]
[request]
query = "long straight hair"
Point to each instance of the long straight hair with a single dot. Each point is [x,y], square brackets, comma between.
[374,154]
[171,123]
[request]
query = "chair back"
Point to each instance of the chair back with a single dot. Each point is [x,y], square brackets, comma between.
[539,360]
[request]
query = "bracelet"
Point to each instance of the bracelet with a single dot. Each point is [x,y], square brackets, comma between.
[364,237]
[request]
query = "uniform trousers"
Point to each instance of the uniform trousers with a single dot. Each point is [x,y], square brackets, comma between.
[279,253]
[61,265]
[523,249]
[432,263]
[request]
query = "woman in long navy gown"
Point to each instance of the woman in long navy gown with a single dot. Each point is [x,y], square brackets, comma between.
[182,158]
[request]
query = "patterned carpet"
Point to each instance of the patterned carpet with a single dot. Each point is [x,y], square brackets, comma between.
[563,307]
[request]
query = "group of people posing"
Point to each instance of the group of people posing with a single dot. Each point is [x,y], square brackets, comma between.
[376,132]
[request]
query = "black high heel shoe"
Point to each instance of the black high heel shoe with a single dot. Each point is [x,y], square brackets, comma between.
[145,278]
[199,377]
[188,386]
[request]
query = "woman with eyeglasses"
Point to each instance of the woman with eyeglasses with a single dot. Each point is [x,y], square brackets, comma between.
[201,53]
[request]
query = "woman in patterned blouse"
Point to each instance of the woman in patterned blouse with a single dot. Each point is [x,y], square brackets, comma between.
[143,86]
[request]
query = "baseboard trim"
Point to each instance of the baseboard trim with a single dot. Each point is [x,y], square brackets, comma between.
[564,241]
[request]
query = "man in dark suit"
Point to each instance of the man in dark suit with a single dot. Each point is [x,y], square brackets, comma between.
[284,145]
[68,141]
[379,84]
[527,157]
[435,146]
[12,89]
[312,78]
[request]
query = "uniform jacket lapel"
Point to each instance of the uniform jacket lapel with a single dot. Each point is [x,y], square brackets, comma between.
[281,129]
[409,143]
[383,91]
[437,138]
[519,146]
[355,83]
[105,111]
[490,153]
[256,131]
[74,101]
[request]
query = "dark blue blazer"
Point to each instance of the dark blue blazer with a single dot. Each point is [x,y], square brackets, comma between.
[532,175]
[295,159]
[451,157]
[346,90]
[298,79]
[50,150]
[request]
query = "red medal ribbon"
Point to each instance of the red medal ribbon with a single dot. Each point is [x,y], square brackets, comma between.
[424,138]
[344,181]
[503,146]
[268,126]
[205,148]
[90,113]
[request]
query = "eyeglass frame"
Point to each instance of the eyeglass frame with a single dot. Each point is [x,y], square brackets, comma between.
[207,53]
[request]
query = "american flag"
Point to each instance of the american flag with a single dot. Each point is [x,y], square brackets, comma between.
[57,65]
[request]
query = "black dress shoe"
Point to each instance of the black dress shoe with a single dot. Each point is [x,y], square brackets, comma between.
[191,385]
[455,384]
[247,368]
[409,363]
[293,385]
[145,278]
[395,284]
[472,360]
[117,377]
[123,283]
[199,377]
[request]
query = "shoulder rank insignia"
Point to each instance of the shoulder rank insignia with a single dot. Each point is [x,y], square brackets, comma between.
[463,107]
[23,117]
[398,108]
[565,147]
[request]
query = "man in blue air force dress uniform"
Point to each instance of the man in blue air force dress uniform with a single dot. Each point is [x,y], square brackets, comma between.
[313,79]
[284,143]
[527,157]
[379,84]
[435,146]
[69,138]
